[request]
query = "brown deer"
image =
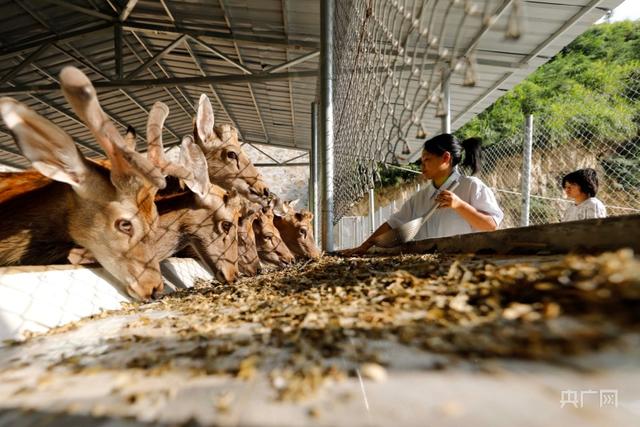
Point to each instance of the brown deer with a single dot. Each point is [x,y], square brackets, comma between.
[204,218]
[296,230]
[271,248]
[248,259]
[111,213]
[229,166]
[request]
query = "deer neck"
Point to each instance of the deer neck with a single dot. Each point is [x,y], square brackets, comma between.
[35,226]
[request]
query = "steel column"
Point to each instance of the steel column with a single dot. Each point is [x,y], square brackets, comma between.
[326,120]
[526,170]
[314,205]
[446,100]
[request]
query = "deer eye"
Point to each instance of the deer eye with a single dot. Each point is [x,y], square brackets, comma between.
[231,155]
[303,232]
[124,226]
[226,226]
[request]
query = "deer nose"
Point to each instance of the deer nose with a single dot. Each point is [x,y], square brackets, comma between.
[225,277]
[157,292]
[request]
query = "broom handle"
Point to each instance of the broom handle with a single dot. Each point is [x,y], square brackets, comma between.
[429,214]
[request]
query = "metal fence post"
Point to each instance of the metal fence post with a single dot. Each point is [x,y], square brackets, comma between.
[526,170]
[446,100]
[326,120]
[372,207]
[314,200]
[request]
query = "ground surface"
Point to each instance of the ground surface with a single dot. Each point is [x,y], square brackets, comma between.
[408,340]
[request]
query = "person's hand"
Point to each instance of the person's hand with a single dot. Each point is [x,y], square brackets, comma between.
[360,250]
[448,199]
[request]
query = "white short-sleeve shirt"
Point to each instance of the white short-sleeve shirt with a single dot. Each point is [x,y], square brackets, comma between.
[590,208]
[446,221]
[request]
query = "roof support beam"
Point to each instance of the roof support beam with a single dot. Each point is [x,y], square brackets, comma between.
[83,10]
[166,74]
[195,31]
[38,40]
[167,82]
[227,19]
[156,57]
[265,154]
[285,25]
[254,142]
[7,149]
[126,11]
[97,70]
[117,41]
[295,61]
[222,55]
[27,61]
[295,158]
[197,63]
[81,60]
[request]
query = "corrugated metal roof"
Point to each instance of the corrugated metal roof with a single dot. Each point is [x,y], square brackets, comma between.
[229,37]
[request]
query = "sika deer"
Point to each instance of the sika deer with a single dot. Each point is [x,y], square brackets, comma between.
[296,230]
[248,259]
[111,213]
[205,218]
[229,166]
[271,249]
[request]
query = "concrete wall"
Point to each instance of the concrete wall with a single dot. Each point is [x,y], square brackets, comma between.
[288,182]
[36,298]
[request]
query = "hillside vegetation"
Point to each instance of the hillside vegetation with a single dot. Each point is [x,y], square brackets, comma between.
[588,95]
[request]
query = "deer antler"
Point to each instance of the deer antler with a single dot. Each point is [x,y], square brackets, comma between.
[192,168]
[81,94]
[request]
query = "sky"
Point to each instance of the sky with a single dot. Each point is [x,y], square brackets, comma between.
[630,9]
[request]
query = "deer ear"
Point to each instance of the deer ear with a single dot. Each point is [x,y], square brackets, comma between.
[51,151]
[279,208]
[205,122]
[293,203]
[194,160]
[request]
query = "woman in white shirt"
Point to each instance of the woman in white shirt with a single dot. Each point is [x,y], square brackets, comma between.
[471,207]
[582,186]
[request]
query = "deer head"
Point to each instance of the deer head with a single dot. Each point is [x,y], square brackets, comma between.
[210,220]
[271,248]
[296,229]
[110,214]
[228,164]
[248,259]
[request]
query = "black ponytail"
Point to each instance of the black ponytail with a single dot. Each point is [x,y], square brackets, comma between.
[472,154]
[446,142]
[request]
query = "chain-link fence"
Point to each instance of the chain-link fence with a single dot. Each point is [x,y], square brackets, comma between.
[608,142]
[562,147]
[391,61]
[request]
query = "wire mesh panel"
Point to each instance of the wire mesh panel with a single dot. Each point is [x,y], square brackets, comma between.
[391,58]
[601,136]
